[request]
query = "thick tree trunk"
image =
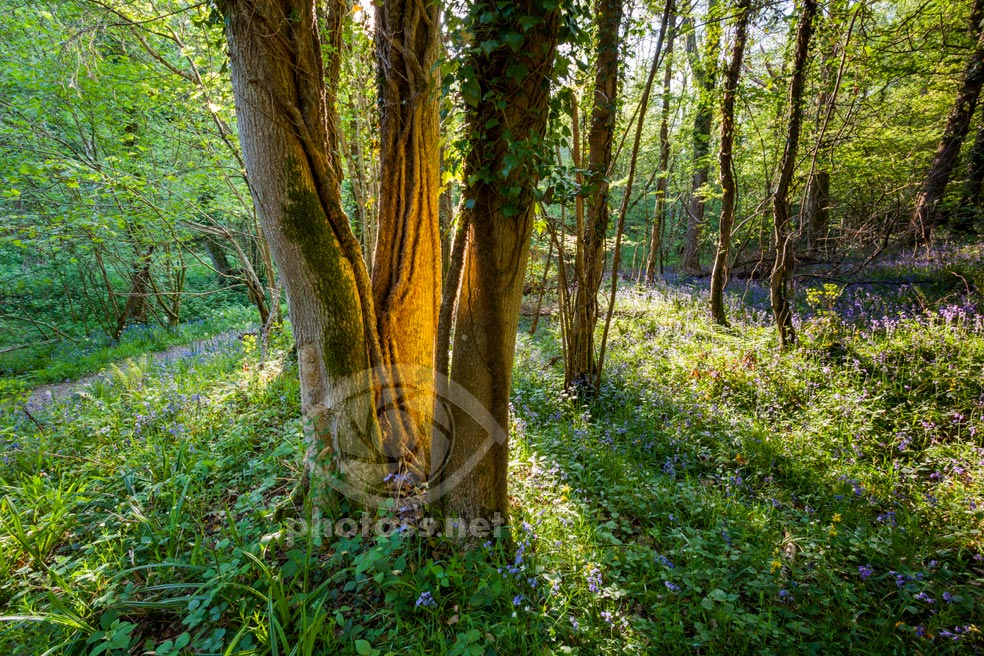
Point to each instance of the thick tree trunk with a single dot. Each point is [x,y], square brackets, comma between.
[719,275]
[924,217]
[705,78]
[290,151]
[663,171]
[783,241]
[406,273]
[581,361]
[498,210]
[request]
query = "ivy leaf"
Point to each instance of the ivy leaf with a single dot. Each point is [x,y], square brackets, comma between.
[471,92]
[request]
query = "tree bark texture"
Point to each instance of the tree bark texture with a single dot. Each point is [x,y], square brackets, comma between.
[581,360]
[782,229]
[290,150]
[705,78]
[406,272]
[498,211]
[719,275]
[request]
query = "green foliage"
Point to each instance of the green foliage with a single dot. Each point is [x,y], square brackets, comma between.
[716,495]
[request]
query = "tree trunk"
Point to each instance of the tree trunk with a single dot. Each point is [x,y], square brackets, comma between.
[719,275]
[783,242]
[925,216]
[581,362]
[136,299]
[817,209]
[220,262]
[663,172]
[970,203]
[498,210]
[406,273]
[705,78]
[290,151]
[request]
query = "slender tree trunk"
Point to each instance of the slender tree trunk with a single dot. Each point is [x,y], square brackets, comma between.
[719,275]
[817,209]
[624,207]
[783,241]
[705,79]
[581,360]
[663,168]
[924,217]
[499,214]
[542,290]
[452,283]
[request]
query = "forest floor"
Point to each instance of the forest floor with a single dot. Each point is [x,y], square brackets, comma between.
[719,496]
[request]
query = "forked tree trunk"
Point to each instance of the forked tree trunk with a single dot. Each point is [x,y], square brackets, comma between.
[705,78]
[498,210]
[719,275]
[581,360]
[782,231]
[663,171]
[924,216]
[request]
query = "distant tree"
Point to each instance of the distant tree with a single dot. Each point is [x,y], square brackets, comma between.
[719,275]
[704,63]
[782,225]
[924,216]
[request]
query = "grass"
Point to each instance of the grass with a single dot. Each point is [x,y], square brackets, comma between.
[717,497]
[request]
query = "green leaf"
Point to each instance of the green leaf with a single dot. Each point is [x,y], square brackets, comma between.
[363,648]
[471,92]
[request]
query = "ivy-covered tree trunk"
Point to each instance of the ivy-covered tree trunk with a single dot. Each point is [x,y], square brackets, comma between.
[719,275]
[924,216]
[581,364]
[705,78]
[783,239]
[506,122]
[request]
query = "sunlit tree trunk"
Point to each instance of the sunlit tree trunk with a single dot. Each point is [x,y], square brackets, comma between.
[957,125]
[719,275]
[581,365]
[406,272]
[782,229]
[498,211]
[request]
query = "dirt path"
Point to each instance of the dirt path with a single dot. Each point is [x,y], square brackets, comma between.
[44,395]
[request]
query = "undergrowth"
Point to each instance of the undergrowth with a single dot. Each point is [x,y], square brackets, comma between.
[718,496]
